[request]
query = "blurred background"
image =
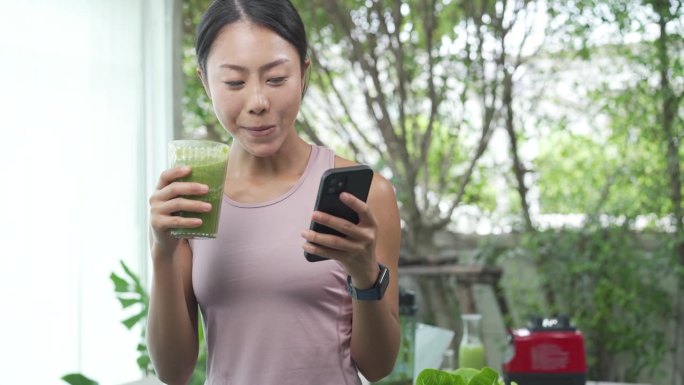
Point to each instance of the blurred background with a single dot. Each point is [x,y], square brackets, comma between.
[536,149]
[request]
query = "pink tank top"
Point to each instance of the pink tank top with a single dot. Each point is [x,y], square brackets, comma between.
[270,316]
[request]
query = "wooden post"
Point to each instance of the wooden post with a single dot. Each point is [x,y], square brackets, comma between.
[466,276]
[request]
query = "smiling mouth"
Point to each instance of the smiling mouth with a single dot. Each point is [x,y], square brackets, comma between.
[260,130]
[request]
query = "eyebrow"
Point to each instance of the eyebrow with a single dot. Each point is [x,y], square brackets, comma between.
[262,68]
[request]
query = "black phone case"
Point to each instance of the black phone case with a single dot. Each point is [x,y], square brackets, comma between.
[355,180]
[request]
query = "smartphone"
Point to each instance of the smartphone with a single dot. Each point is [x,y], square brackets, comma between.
[355,180]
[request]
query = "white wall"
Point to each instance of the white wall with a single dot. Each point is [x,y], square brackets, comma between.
[79,137]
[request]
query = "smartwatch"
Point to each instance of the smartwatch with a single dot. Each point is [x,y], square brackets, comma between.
[376,292]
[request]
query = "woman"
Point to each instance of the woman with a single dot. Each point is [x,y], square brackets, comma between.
[270,316]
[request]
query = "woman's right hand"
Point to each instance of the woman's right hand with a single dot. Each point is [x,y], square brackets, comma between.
[166,201]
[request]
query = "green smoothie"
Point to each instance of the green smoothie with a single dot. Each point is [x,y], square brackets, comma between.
[208,161]
[471,356]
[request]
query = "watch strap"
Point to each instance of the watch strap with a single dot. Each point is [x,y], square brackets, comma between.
[376,292]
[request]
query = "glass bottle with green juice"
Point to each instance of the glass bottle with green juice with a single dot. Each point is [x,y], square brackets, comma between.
[471,352]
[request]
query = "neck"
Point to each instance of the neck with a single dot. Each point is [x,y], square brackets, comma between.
[291,158]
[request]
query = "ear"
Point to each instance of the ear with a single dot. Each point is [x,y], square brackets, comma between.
[203,78]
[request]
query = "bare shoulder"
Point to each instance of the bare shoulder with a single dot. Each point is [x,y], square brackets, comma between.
[343,162]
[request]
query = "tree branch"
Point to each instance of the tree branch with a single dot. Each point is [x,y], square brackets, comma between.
[465,178]
[343,103]
[396,145]
[430,26]
[397,49]
[308,129]
[487,120]
[528,31]
[518,168]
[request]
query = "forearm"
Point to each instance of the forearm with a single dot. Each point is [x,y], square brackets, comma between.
[171,330]
[375,338]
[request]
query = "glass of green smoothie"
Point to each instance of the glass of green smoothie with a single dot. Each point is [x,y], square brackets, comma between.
[207,161]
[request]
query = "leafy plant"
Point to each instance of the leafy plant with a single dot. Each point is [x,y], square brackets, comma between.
[78,379]
[462,376]
[132,295]
[135,298]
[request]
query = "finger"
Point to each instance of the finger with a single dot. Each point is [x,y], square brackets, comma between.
[177,189]
[163,223]
[182,204]
[170,175]
[322,251]
[359,206]
[336,223]
[332,242]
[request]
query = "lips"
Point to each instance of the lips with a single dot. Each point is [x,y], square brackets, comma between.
[259,130]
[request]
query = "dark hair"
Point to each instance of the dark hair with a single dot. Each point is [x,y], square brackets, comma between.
[280,16]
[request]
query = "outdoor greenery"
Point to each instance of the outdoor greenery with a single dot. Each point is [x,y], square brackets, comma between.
[514,115]
[135,299]
[462,376]
[614,289]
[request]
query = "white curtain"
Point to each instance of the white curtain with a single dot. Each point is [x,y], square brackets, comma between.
[84,117]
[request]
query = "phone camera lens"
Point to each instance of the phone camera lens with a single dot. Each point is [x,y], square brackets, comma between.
[335,185]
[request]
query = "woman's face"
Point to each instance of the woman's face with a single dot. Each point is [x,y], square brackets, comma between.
[254,79]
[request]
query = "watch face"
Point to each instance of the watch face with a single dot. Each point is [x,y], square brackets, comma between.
[383,280]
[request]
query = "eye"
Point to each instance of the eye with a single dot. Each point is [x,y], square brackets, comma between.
[234,84]
[277,81]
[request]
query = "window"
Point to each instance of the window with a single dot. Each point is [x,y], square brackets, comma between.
[86,111]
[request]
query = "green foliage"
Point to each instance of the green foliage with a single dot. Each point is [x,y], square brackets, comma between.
[78,379]
[612,172]
[438,377]
[135,299]
[130,292]
[613,289]
[617,177]
[462,376]
[620,166]
[198,114]
[622,169]
[572,169]
[407,73]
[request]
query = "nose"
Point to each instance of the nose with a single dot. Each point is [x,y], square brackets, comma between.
[258,103]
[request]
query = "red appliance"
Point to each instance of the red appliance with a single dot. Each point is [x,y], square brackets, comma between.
[549,352]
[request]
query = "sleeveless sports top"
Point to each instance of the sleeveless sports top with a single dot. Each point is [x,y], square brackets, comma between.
[270,316]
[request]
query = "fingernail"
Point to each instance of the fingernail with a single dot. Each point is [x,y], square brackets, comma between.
[204,188]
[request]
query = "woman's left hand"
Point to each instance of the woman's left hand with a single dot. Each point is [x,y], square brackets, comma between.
[356,251]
